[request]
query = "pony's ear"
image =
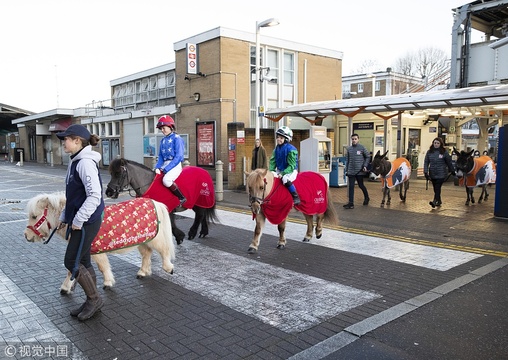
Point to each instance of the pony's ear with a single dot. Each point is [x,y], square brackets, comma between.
[246,173]
[264,172]
[455,151]
[384,155]
[378,154]
[470,153]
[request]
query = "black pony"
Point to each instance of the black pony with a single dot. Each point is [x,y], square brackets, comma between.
[474,172]
[127,172]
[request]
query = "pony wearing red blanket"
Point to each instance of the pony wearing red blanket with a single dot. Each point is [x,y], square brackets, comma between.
[195,183]
[138,223]
[270,200]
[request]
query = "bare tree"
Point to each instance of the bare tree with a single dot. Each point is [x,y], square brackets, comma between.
[367,66]
[425,62]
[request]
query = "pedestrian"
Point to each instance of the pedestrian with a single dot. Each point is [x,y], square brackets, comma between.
[284,161]
[82,213]
[170,159]
[436,167]
[259,159]
[357,161]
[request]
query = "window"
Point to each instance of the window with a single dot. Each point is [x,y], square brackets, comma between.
[378,85]
[346,88]
[360,88]
[273,63]
[162,81]
[289,69]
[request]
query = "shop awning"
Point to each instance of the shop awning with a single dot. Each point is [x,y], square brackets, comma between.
[60,125]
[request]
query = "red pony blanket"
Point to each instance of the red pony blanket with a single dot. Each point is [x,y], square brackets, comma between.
[399,172]
[125,224]
[312,189]
[483,172]
[195,183]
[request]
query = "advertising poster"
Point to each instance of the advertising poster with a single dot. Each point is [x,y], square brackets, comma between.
[205,143]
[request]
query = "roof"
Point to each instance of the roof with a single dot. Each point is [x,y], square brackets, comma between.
[474,96]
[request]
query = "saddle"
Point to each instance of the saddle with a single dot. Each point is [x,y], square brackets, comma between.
[312,189]
[195,183]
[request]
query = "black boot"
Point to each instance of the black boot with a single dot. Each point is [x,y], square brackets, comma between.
[432,203]
[296,198]
[294,194]
[176,191]
[91,270]
[93,301]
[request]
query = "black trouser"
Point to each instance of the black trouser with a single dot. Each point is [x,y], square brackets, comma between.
[71,253]
[437,184]
[351,187]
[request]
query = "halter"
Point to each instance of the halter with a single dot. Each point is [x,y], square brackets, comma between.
[125,176]
[35,228]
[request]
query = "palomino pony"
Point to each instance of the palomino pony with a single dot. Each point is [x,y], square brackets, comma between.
[195,183]
[473,172]
[269,199]
[392,174]
[141,223]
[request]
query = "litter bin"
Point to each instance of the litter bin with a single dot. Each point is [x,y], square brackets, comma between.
[337,176]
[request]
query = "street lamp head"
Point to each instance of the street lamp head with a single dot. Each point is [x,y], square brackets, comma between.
[268,22]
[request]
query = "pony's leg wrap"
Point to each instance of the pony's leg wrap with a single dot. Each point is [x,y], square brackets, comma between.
[93,301]
[91,270]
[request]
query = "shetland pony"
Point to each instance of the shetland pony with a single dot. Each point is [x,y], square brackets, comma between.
[474,172]
[269,199]
[43,214]
[392,174]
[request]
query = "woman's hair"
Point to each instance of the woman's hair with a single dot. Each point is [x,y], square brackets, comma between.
[441,145]
[94,140]
[260,143]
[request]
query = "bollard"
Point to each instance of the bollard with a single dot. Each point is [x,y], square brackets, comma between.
[51,159]
[219,184]
[21,158]
[154,162]
[186,163]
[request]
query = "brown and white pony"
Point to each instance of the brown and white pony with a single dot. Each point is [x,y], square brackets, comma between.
[270,200]
[396,173]
[43,215]
[474,172]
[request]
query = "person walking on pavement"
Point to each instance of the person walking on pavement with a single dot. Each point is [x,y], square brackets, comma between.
[284,161]
[83,213]
[259,159]
[357,161]
[436,167]
[170,159]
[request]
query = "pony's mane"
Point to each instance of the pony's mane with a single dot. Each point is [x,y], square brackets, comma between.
[53,199]
[116,164]
[256,176]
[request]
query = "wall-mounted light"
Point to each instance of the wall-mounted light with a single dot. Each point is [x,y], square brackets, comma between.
[196,96]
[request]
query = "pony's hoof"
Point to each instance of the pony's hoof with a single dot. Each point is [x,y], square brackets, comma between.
[305,240]
[191,237]
[382,205]
[65,292]
[252,250]
[280,246]
[179,240]
[202,236]
[319,236]
[107,287]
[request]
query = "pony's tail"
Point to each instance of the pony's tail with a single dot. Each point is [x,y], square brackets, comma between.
[211,215]
[331,216]
[165,226]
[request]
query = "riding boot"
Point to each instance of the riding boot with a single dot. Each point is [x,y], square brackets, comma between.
[294,194]
[433,203]
[91,270]
[176,191]
[93,301]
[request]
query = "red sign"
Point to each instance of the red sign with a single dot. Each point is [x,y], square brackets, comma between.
[232,156]
[241,140]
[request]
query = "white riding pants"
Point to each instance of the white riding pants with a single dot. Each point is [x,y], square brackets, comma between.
[170,177]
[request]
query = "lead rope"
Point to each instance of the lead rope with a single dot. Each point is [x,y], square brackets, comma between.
[80,248]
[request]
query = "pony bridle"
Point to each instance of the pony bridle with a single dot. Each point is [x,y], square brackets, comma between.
[35,227]
[260,201]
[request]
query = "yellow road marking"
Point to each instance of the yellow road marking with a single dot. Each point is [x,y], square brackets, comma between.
[469,249]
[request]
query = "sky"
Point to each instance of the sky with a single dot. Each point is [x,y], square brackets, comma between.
[64,53]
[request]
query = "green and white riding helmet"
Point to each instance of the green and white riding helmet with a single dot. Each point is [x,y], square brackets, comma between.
[285,132]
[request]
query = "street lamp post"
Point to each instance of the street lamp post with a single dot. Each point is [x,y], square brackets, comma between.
[259,25]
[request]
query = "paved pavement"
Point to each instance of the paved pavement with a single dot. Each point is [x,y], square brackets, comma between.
[400,282]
